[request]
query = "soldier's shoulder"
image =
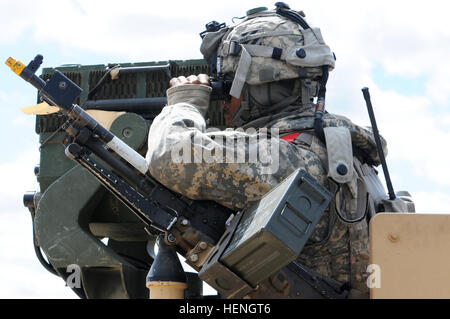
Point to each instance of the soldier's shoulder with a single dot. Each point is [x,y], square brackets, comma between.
[362,137]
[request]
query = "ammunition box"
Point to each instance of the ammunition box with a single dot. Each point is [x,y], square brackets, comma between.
[267,236]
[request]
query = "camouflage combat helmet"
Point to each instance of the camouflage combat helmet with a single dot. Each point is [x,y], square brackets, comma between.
[269,46]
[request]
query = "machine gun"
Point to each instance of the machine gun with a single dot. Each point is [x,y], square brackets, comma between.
[162,210]
[214,240]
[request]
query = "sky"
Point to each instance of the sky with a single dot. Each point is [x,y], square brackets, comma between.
[399,49]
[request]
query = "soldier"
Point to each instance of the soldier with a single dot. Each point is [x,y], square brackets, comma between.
[276,65]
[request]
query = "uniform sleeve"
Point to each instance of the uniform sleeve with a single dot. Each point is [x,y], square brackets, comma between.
[231,167]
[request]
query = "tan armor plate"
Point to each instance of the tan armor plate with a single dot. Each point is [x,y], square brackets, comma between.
[410,256]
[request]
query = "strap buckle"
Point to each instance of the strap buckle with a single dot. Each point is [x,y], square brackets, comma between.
[235,48]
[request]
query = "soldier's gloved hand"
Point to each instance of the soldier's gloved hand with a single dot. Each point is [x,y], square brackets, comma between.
[194,90]
[192,79]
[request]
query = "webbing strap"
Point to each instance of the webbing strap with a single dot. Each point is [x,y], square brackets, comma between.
[234,49]
[241,73]
[267,34]
[249,50]
[259,50]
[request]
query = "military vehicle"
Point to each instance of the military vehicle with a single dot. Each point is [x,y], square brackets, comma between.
[99,211]
[126,106]
[104,215]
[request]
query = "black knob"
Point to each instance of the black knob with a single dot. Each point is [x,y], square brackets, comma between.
[28,199]
[301,53]
[282,5]
[212,26]
[342,169]
[36,63]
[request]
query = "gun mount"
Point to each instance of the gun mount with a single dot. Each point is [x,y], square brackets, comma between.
[69,222]
[126,107]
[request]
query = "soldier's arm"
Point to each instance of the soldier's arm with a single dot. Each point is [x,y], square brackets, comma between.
[187,159]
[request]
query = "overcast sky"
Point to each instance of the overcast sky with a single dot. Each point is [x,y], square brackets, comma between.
[399,49]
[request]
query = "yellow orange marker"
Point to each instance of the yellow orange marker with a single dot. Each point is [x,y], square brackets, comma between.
[16,66]
[40,109]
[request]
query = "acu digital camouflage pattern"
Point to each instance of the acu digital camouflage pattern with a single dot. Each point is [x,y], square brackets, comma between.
[262,50]
[259,34]
[336,250]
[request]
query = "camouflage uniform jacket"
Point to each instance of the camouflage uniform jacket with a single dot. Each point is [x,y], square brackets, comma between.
[336,249]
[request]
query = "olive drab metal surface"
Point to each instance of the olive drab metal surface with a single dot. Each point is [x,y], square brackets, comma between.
[138,85]
[92,213]
[127,88]
[267,236]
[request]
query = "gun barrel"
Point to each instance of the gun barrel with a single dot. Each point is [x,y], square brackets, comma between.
[376,134]
[152,68]
[152,105]
[60,91]
[26,72]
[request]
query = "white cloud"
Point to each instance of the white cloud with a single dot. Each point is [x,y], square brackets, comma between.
[414,134]
[23,122]
[407,38]
[432,202]
[17,178]
[21,274]
[138,30]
